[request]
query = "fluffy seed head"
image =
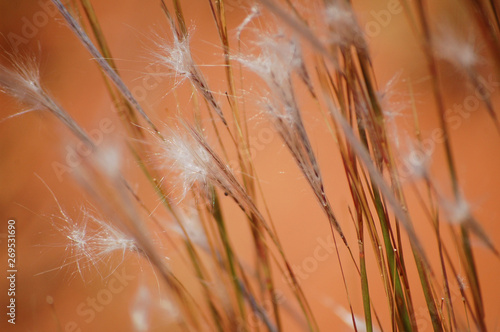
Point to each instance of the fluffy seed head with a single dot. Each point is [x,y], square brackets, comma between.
[459,211]
[343,27]
[91,240]
[279,57]
[22,82]
[193,157]
[176,56]
[108,159]
[462,282]
[190,160]
[169,309]
[193,227]
[416,163]
[140,309]
[346,317]
[457,50]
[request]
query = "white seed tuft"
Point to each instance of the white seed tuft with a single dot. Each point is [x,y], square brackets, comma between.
[458,212]
[92,241]
[109,160]
[462,282]
[279,57]
[176,56]
[459,51]
[346,316]
[140,309]
[22,82]
[343,27]
[193,227]
[189,159]
[416,163]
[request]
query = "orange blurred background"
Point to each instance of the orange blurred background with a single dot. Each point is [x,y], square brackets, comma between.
[48,294]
